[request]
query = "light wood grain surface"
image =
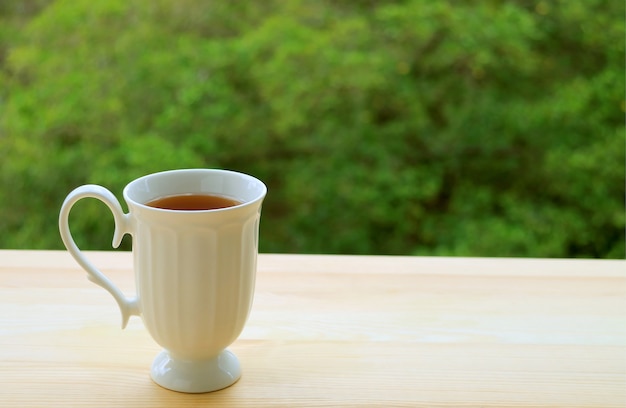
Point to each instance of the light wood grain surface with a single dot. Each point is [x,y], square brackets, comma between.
[334,331]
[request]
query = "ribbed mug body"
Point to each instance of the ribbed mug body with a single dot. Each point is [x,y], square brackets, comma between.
[195,275]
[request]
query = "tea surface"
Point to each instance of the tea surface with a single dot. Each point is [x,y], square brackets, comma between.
[193,202]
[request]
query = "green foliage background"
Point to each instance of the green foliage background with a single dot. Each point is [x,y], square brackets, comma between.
[427,127]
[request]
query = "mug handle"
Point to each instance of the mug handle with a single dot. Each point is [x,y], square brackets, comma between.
[123,226]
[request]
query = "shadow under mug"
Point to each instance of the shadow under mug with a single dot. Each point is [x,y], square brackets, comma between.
[194,270]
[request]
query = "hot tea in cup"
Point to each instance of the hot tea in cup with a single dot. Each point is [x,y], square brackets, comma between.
[195,245]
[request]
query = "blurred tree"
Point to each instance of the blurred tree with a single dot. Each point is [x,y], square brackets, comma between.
[483,128]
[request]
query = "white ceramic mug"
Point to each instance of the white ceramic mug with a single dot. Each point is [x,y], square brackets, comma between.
[195,270]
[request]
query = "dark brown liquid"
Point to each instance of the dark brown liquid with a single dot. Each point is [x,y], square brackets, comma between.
[193,202]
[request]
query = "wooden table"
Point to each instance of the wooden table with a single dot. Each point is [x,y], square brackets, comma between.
[334,331]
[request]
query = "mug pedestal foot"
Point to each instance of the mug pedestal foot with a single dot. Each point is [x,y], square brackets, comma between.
[195,376]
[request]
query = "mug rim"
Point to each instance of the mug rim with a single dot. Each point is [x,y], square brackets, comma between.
[127,190]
